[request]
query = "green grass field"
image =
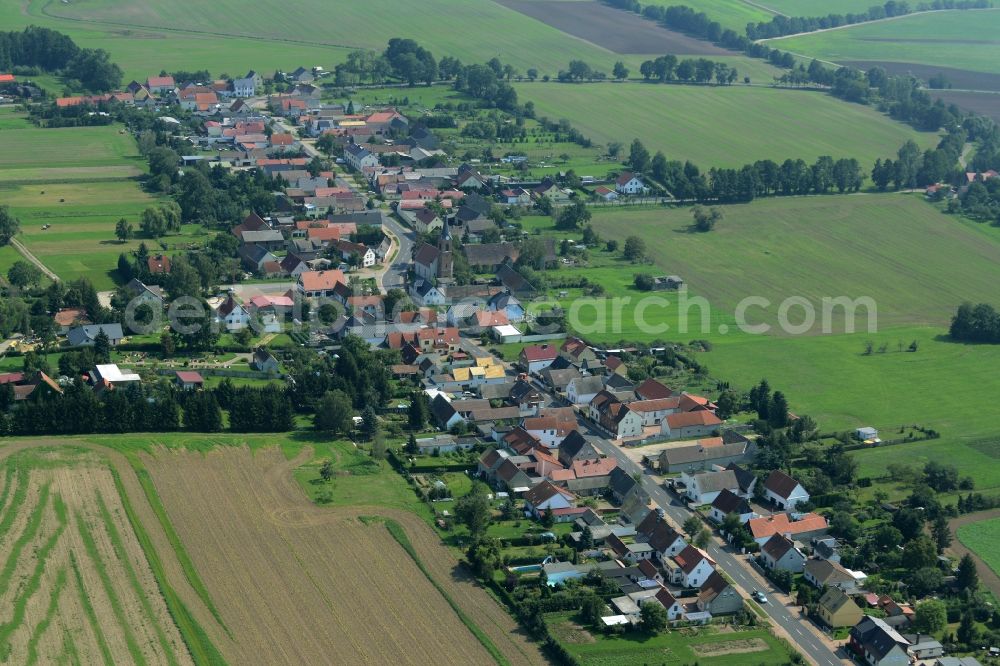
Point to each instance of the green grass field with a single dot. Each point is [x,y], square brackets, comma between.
[916,263]
[984,538]
[80,181]
[959,39]
[707,647]
[146,36]
[724,126]
[974,457]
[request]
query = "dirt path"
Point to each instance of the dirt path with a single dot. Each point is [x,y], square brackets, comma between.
[765,8]
[987,576]
[19,246]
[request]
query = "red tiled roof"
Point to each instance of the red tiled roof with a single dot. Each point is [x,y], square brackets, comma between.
[783,524]
[190,377]
[686,419]
[539,353]
[321,280]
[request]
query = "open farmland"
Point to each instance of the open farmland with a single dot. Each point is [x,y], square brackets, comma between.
[980,534]
[916,264]
[956,39]
[295,582]
[724,126]
[75,585]
[79,181]
[613,29]
[811,7]
[732,14]
[232,36]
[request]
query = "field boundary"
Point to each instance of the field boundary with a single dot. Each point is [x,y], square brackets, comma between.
[399,534]
[202,650]
[987,576]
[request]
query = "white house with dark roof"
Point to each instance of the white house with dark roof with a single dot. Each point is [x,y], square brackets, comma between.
[727,502]
[629,183]
[784,491]
[779,553]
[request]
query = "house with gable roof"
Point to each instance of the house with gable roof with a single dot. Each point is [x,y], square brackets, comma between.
[837,609]
[784,491]
[727,502]
[546,496]
[656,531]
[232,314]
[779,553]
[806,526]
[629,183]
[878,644]
[691,567]
[718,596]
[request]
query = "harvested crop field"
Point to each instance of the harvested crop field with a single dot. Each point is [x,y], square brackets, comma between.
[75,585]
[963,79]
[296,583]
[616,30]
[983,103]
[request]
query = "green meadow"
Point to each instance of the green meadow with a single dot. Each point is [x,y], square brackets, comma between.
[959,39]
[724,126]
[914,262]
[79,181]
[232,36]
[733,14]
[984,538]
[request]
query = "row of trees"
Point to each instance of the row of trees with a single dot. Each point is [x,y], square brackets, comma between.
[701,70]
[54,52]
[915,168]
[792,25]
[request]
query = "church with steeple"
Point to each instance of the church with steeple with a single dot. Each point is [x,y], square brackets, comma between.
[446,265]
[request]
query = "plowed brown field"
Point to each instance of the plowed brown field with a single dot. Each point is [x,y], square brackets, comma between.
[296,583]
[75,585]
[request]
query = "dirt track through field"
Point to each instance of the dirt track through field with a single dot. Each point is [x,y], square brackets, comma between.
[296,582]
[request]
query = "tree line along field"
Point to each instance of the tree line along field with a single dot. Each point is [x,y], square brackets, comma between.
[808,7]
[956,39]
[80,181]
[725,126]
[75,584]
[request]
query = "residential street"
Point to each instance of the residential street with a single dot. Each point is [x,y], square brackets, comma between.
[395,275]
[798,629]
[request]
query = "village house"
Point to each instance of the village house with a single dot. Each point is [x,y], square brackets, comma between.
[783,491]
[729,503]
[824,574]
[690,568]
[67,318]
[264,361]
[583,390]
[656,531]
[704,487]
[358,158]
[702,455]
[837,609]
[629,183]
[86,336]
[688,425]
[142,294]
[545,497]
[718,596]
[802,528]
[319,284]
[535,358]
[878,644]
[779,553]
[232,314]
[158,264]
